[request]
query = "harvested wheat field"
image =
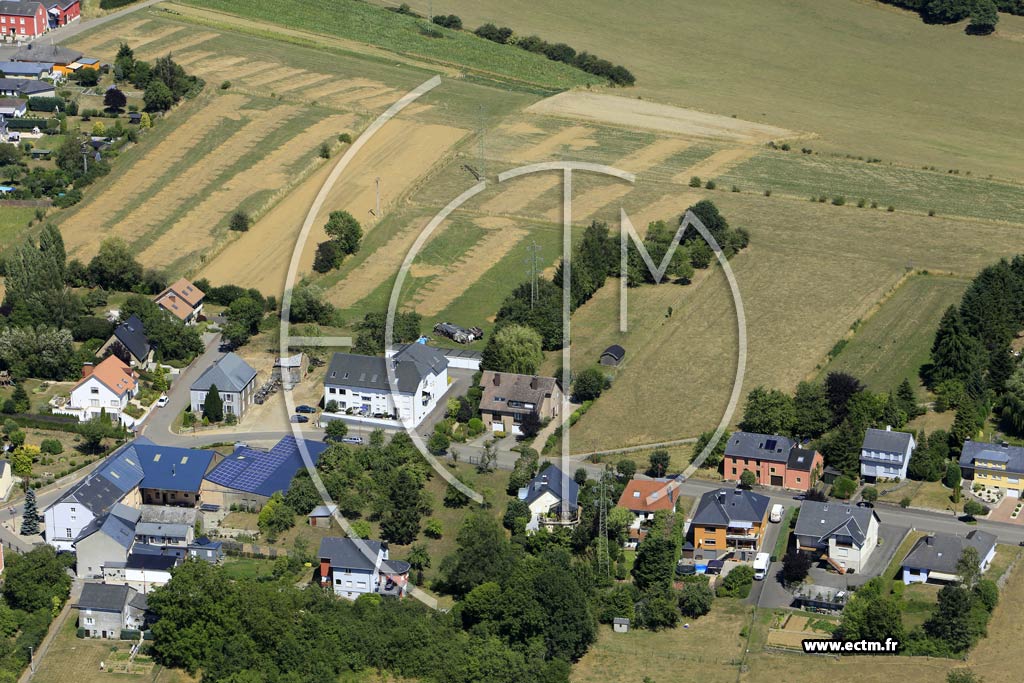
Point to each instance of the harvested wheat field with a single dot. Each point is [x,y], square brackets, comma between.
[400,153]
[622,111]
[501,237]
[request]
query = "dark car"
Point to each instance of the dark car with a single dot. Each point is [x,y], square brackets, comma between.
[300,418]
[305,409]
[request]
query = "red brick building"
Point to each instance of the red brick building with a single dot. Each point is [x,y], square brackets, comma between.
[21,20]
[774,460]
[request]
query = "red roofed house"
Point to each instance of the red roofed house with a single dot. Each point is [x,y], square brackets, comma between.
[644,497]
[108,386]
[183,300]
[22,20]
[63,12]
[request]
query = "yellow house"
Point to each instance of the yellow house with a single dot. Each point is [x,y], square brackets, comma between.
[729,520]
[998,465]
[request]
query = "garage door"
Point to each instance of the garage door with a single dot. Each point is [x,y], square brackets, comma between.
[776,480]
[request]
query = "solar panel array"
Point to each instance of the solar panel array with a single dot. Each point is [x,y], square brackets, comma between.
[262,472]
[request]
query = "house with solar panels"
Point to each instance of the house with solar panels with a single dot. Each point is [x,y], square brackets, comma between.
[248,477]
[359,386]
[140,471]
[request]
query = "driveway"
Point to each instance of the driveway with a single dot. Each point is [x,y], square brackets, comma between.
[158,424]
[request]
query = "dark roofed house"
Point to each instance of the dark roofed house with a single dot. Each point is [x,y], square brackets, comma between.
[508,397]
[729,520]
[129,343]
[235,381]
[613,355]
[107,538]
[359,385]
[995,465]
[174,476]
[248,477]
[934,557]
[843,535]
[775,461]
[105,610]
[55,54]
[26,87]
[885,454]
[352,567]
[206,550]
[553,498]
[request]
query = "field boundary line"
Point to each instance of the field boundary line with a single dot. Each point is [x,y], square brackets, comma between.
[876,307]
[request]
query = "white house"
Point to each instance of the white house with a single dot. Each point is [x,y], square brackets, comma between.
[553,499]
[352,567]
[358,385]
[235,381]
[885,454]
[116,480]
[106,387]
[143,571]
[845,536]
[934,557]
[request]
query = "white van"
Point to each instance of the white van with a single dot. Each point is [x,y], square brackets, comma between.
[761,563]
[776,515]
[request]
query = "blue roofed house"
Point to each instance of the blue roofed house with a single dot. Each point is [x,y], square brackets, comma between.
[553,498]
[235,381]
[115,481]
[207,550]
[27,69]
[249,477]
[138,472]
[352,567]
[885,454]
[105,539]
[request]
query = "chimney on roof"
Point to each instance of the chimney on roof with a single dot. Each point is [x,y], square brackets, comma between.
[533,382]
[929,540]
[87,369]
[1005,444]
[721,497]
[497,379]
[888,428]
[172,469]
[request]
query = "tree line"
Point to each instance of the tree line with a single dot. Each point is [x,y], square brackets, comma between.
[597,257]
[982,13]
[164,82]
[557,52]
[973,367]
[43,315]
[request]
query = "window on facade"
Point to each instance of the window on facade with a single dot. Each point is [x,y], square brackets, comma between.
[68,534]
[734,470]
[709,542]
[94,390]
[798,480]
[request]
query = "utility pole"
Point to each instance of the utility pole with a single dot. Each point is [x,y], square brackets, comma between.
[378,198]
[534,250]
[480,142]
[603,563]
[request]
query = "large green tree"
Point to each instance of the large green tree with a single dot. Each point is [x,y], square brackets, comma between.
[213,405]
[812,416]
[513,348]
[344,229]
[768,411]
[482,554]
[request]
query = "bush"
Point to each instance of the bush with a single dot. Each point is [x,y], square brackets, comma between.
[695,599]
[843,487]
[891,208]
[768,192]
[325,151]
[737,583]
[225,85]
[695,181]
[905,502]
[475,426]
[51,446]
[710,185]
[839,201]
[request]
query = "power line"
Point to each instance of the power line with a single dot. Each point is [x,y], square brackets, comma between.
[534,251]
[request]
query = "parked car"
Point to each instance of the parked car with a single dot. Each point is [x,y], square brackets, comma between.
[162,401]
[299,419]
[305,409]
[776,514]
[761,563]
[352,439]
